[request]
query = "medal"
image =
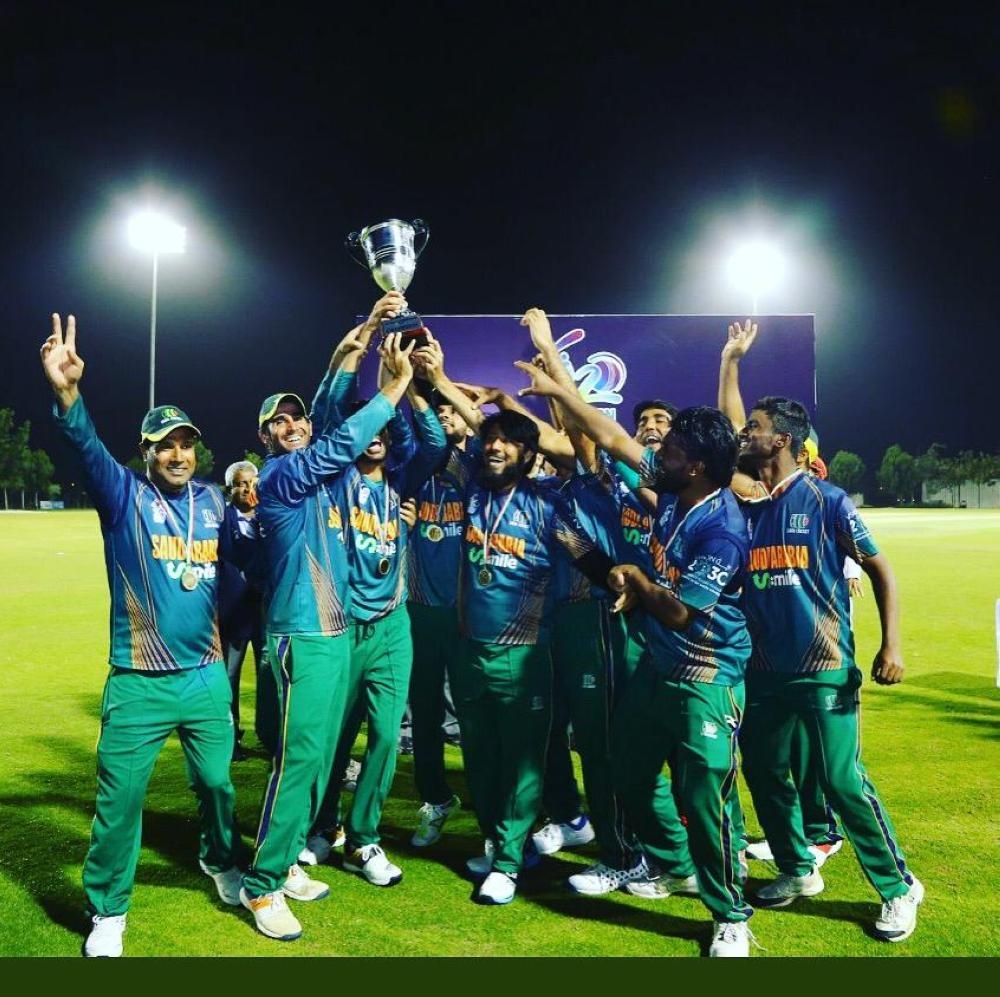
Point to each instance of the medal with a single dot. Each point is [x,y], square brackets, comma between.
[189,580]
[485,576]
[383,566]
[434,533]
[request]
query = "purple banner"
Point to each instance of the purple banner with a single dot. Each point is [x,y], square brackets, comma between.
[619,360]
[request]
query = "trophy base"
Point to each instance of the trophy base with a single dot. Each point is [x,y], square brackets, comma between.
[410,324]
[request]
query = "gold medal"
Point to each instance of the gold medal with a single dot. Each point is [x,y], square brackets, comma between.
[434,533]
[485,576]
[189,580]
[383,566]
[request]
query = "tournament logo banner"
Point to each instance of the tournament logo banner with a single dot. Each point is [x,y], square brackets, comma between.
[620,360]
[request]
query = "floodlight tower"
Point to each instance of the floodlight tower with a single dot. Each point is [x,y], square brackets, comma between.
[155,234]
[756,267]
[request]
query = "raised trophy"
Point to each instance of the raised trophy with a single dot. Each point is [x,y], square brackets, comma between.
[389,251]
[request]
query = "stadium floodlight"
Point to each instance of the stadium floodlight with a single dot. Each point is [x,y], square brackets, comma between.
[157,235]
[756,267]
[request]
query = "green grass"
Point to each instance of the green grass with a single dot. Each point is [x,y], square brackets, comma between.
[930,745]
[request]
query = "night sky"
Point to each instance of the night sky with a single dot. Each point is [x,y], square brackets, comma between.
[584,158]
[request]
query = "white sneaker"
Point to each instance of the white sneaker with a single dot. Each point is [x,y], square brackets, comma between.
[482,865]
[828,849]
[299,886]
[899,916]
[227,883]
[270,912]
[105,938]
[759,851]
[319,846]
[554,837]
[730,940]
[599,878]
[660,887]
[432,820]
[350,783]
[785,889]
[371,862]
[498,888]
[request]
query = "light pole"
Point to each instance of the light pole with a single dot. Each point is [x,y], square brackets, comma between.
[756,267]
[155,234]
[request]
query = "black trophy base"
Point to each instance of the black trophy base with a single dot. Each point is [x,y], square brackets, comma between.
[410,324]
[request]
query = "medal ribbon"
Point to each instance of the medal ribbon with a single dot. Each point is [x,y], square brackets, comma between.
[496,523]
[173,522]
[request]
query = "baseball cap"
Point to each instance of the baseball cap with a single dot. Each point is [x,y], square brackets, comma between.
[270,405]
[811,448]
[818,467]
[162,420]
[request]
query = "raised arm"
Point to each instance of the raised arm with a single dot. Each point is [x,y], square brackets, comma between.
[63,367]
[538,325]
[430,360]
[605,432]
[61,363]
[738,343]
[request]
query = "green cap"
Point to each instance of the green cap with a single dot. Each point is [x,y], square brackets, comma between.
[162,420]
[270,405]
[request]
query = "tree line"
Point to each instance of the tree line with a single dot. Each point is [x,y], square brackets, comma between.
[901,476]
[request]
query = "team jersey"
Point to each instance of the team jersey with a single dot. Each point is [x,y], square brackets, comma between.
[595,511]
[505,592]
[796,598]
[302,536]
[240,601]
[156,624]
[635,519]
[701,559]
[435,543]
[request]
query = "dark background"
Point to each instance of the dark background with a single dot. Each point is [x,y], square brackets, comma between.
[584,158]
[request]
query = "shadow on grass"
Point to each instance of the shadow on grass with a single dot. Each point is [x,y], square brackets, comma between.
[34,830]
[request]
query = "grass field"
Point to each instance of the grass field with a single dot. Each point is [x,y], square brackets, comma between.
[930,745]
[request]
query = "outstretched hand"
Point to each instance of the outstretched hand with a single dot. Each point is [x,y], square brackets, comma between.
[60,361]
[541,383]
[538,325]
[740,340]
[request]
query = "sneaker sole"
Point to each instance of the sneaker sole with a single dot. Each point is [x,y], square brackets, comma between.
[767,904]
[493,902]
[306,899]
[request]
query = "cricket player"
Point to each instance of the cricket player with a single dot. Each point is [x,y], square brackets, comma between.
[161,547]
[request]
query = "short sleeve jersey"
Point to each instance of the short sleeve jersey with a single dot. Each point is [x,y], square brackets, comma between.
[796,598]
[505,589]
[156,624]
[700,558]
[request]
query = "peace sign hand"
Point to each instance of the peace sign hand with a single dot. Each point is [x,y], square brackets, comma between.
[63,367]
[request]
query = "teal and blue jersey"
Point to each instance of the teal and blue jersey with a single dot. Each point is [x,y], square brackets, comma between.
[796,598]
[634,518]
[156,625]
[373,529]
[435,543]
[302,534]
[701,559]
[506,594]
[595,511]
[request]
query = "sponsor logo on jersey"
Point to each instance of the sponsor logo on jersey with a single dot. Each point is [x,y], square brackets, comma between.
[170,548]
[498,542]
[782,579]
[158,510]
[209,518]
[798,522]
[431,512]
[520,520]
[779,556]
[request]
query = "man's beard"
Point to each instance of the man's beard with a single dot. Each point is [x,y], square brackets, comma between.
[498,482]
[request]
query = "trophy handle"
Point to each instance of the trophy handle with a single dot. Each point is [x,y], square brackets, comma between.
[420,229]
[353,246]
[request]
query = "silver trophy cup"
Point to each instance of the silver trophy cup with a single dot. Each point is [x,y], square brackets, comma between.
[389,251]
